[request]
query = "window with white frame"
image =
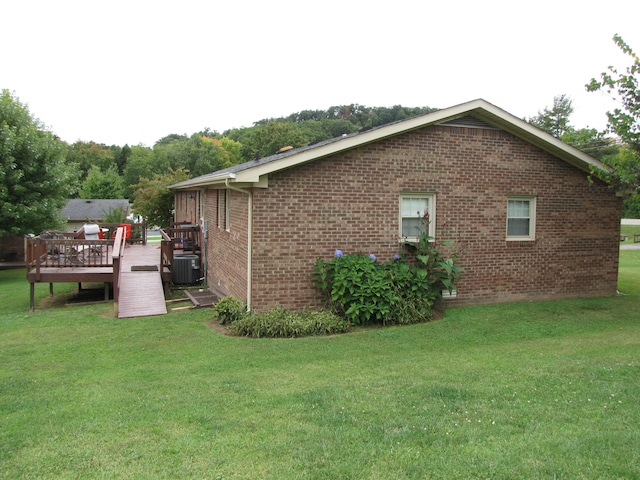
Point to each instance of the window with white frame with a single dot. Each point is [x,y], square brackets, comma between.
[413,207]
[521,218]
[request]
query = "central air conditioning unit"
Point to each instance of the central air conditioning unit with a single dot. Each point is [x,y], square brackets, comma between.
[186,269]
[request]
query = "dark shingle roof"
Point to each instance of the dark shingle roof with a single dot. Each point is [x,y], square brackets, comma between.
[92,209]
[271,158]
[478,113]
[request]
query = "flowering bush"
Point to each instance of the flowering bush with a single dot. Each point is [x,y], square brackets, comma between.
[364,291]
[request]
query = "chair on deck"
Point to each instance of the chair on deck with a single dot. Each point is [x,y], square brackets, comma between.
[91,232]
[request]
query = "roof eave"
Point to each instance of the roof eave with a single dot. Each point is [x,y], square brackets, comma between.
[252,175]
[203,181]
[537,137]
[479,108]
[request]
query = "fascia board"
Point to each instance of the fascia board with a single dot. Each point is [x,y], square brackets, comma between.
[252,175]
[537,137]
[204,181]
[480,108]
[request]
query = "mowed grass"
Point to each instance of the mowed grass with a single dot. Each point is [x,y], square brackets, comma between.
[527,390]
[629,231]
[154,238]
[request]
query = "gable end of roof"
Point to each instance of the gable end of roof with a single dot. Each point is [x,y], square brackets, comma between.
[475,114]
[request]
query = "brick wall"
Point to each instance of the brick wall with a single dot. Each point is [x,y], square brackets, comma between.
[350,201]
[227,244]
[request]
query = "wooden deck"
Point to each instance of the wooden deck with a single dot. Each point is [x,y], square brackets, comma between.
[67,259]
[140,274]
[141,292]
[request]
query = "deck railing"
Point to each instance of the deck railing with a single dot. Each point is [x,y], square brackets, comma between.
[119,243]
[166,254]
[185,237]
[137,231]
[64,252]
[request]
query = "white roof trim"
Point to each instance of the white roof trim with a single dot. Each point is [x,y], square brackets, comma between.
[478,108]
[203,181]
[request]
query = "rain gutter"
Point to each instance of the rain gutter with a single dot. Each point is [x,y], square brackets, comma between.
[249,237]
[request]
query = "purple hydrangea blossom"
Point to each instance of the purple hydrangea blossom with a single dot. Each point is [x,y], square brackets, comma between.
[372,257]
[396,256]
[338,254]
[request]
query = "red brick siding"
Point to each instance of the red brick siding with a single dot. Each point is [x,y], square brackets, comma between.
[351,200]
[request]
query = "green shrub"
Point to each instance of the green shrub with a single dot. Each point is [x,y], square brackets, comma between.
[631,207]
[115,215]
[364,291]
[228,310]
[441,272]
[413,294]
[281,323]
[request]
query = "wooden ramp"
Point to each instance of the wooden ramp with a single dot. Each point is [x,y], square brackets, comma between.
[141,291]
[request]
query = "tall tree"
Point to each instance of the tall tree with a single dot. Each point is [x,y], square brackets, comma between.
[103,184]
[153,200]
[199,154]
[266,140]
[35,178]
[141,163]
[121,155]
[555,120]
[90,154]
[624,121]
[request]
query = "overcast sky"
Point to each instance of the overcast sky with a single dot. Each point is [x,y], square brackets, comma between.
[134,71]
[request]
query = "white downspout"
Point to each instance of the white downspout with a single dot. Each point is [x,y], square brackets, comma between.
[249,237]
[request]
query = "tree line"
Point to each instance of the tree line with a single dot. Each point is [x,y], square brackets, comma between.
[116,172]
[39,172]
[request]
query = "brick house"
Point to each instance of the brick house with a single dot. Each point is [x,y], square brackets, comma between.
[517,203]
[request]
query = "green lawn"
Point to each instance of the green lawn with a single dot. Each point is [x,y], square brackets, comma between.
[529,390]
[629,230]
[154,239]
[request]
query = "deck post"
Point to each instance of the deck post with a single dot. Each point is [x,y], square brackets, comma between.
[32,294]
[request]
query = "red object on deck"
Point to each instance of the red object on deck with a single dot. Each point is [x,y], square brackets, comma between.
[127,230]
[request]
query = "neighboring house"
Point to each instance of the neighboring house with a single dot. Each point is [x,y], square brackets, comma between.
[519,205]
[79,211]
